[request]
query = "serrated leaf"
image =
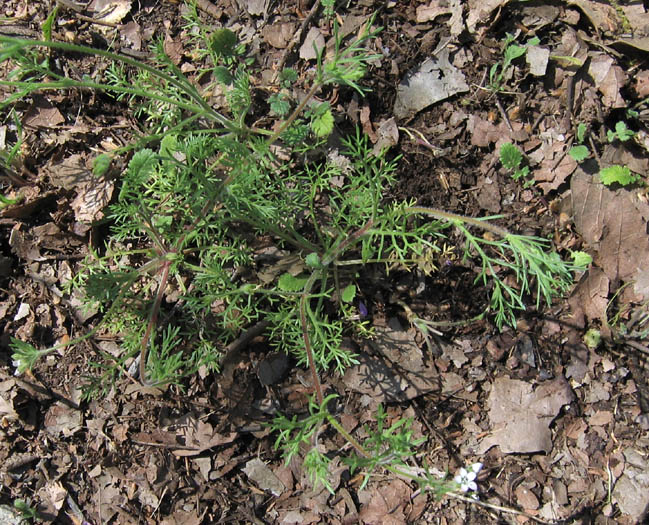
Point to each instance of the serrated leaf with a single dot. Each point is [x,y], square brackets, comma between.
[349,293]
[579,153]
[510,156]
[101,164]
[278,104]
[288,76]
[622,131]
[581,259]
[323,125]
[617,174]
[168,145]
[142,162]
[288,283]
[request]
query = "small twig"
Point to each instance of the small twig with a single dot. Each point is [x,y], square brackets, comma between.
[307,342]
[637,346]
[153,321]
[504,114]
[497,508]
[78,10]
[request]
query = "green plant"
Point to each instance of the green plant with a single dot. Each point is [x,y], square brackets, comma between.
[617,174]
[390,447]
[512,159]
[26,510]
[580,152]
[500,71]
[328,8]
[621,133]
[202,185]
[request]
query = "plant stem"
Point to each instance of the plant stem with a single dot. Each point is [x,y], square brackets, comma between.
[305,335]
[454,217]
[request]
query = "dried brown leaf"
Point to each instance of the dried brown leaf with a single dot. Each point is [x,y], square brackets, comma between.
[609,79]
[609,221]
[521,415]
[279,35]
[590,298]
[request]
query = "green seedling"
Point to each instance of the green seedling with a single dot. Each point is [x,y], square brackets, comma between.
[328,8]
[592,338]
[501,71]
[580,152]
[512,160]
[615,174]
[621,133]
[26,510]
[201,185]
[6,201]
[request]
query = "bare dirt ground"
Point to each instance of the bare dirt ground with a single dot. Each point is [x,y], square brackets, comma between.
[561,428]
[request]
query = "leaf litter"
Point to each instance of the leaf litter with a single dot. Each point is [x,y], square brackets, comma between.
[572,413]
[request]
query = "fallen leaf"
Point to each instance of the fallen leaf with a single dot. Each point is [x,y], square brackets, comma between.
[261,474]
[521,415]
[601,417]
[7,410]
[480,12]
[199,437]
[109,11]
[387,136]
[537,58]
[23,246]
[279,35]
[62,420]
[131,33]
[313,38]
[426,13]
[609,79]
[631,491]
[526,498]
[610,223]
[42,114]
[589,299]
[91,200]
[555,167]
[434,80]
[385,505]
[257,7]
[601,15]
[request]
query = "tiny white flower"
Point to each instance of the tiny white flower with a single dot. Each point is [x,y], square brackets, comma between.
[466,478]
